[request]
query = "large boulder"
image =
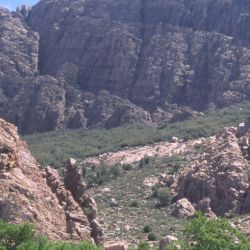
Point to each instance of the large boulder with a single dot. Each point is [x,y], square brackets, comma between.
[166,241]
[115,246]
[183,209]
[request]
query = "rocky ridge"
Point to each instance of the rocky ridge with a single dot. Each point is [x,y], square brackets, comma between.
[217,182]
[29,193]
[105,63]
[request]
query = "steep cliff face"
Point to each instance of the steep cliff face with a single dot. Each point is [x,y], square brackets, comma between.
[112,62]
[36,102]
[28,193]
[150,52]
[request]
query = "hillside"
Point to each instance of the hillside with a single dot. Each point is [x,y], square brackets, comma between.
[141,192]
[126,178]
[125,125]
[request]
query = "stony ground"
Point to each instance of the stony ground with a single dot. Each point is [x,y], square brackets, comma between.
[136,208]
[135,154]
[126,221]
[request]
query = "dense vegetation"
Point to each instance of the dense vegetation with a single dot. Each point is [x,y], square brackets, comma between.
[200,233]
[55,147]
[210,234]
[22,237]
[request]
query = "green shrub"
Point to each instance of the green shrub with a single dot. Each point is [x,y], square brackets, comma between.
[127,167]
[13,236]
[87,211]
[164,198]
[116,170]
[91,180]
[144,161]
[22,237]
[147,229]
[134,204]
[152,237]
[174,163]
[155,190]
[143,246]
[209,234]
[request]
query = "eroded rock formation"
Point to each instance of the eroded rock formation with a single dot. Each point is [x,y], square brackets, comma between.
[28,193]
[73,182]
[217,182]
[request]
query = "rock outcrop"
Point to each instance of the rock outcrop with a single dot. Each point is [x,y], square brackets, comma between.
[76,219]
[73,182]
[183,209]
[115,246]
[217,182]
[29,193]
[38,102]
[166,241]
[104,63]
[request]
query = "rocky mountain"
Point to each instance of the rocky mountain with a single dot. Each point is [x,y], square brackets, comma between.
[104,63]
[39,196]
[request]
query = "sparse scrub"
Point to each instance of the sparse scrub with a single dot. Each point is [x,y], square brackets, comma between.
[103,174]
[127,188]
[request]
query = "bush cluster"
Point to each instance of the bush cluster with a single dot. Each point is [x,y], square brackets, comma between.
[102,174]
[22,237]
[162,194]
[202,233]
